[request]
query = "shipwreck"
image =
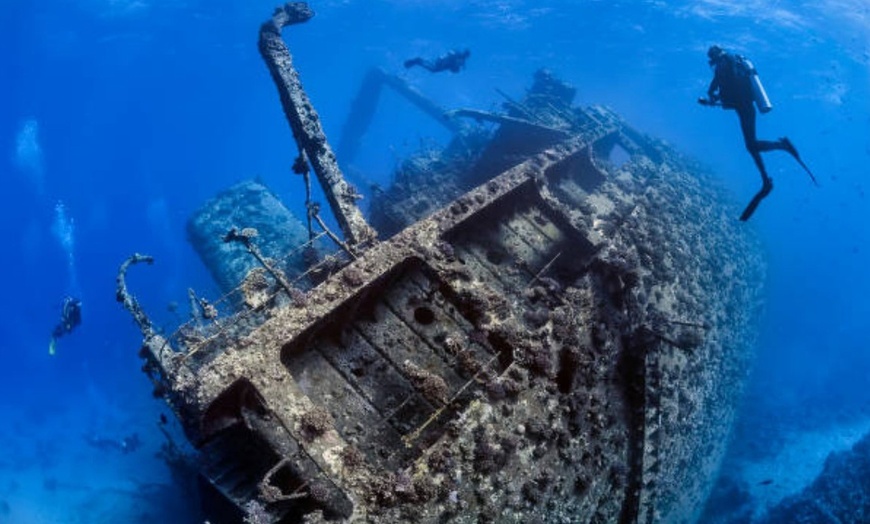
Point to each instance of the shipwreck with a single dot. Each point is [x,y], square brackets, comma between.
[549,320]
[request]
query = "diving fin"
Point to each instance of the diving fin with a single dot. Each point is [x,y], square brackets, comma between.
[753,204]
[789,147]
[813,178]
[51,346]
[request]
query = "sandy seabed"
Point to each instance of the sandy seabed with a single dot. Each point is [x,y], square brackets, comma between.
[798,463]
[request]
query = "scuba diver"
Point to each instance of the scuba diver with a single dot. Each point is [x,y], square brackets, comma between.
[70,317]
[453,61]
[736,85]
[125,445]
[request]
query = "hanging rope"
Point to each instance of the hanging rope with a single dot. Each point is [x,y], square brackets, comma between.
[301,167]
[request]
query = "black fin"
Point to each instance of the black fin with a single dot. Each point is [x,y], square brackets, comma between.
[753,204]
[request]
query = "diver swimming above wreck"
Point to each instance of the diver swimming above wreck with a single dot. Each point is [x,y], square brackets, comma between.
[736,86]
[519,330]
[70,318]
[453,61]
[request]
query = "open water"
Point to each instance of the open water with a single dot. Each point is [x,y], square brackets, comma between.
[118,118]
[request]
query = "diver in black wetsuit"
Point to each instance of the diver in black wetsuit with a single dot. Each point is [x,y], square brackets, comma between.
[70,317]
[453,61]
[732,88]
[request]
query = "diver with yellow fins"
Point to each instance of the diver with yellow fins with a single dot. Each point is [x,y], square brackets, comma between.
[70,317]
[736,85]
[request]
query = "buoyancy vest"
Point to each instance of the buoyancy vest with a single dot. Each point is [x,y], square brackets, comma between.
[734,76]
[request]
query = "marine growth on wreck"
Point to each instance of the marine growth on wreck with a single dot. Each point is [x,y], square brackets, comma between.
[547,321]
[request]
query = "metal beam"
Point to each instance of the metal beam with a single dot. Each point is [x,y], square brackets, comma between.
[305,124]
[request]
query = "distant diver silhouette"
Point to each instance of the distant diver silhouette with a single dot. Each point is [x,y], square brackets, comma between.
[453,61]
[736,85]
[125,445]
[70,317]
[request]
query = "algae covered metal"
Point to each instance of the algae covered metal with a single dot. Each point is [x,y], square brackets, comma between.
[552,326]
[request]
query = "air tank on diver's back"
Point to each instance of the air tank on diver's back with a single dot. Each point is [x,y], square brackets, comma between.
[759,95]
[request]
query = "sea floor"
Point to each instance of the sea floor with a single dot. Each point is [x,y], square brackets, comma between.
[64,461]
[797,463]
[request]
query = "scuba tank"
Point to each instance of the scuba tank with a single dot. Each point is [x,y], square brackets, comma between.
[759,95]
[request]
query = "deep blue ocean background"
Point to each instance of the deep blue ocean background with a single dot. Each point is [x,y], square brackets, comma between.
[118,118]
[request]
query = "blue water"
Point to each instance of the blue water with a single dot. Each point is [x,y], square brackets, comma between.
[118,118]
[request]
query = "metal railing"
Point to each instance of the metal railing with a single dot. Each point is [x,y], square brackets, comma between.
[216,324]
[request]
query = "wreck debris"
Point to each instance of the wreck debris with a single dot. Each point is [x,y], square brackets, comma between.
[365,104]
[314,212]
[194,304]
[245,237]
[305,123]
[502,355]
[129,301]
[487,116]
[251,206]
